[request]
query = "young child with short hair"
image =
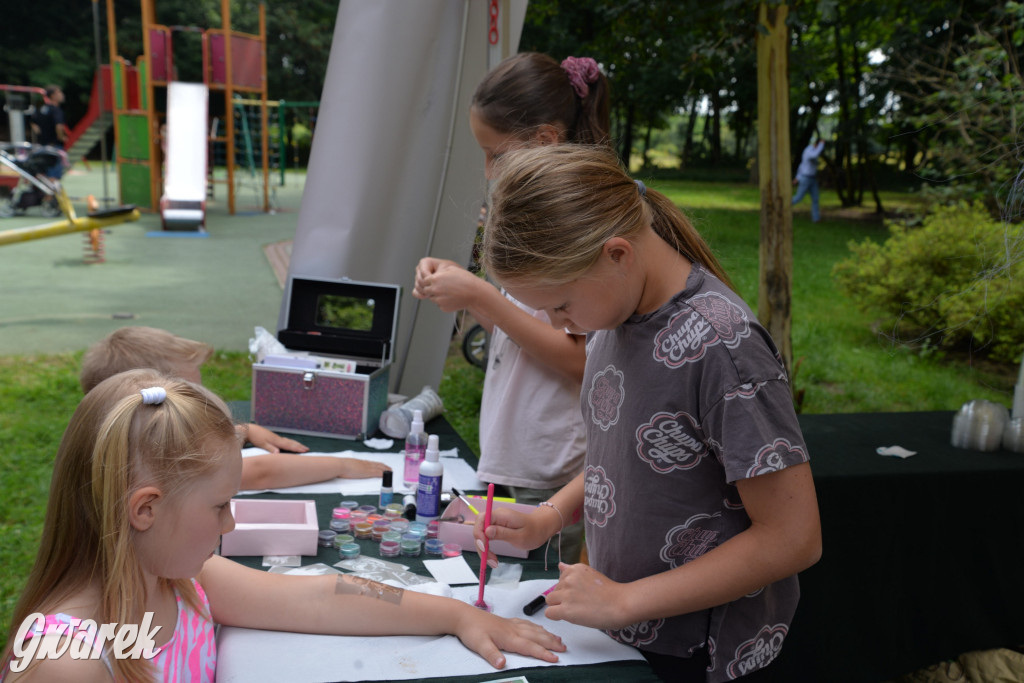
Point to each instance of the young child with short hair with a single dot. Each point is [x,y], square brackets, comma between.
[139,499]
[135,347]
[696,491]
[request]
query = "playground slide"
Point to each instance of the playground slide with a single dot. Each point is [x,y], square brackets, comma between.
[183,205]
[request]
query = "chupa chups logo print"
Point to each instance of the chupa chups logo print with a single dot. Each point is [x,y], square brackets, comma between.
[605,397]
[638,634]
[712,319]
[757,652]
[598,496]
[772,457]
[689,541]
[668,442]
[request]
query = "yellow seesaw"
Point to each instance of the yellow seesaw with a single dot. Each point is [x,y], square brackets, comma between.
[71,222]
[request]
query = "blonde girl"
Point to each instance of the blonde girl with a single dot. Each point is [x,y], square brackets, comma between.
[696,491]
[138,501]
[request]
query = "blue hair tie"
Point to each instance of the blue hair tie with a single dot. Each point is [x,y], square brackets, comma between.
[640,186]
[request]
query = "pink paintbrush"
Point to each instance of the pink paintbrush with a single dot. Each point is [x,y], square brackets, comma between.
[487,545]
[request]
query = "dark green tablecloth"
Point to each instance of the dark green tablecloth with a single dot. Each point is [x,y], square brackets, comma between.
[533,566]
[920,561]
[921,556]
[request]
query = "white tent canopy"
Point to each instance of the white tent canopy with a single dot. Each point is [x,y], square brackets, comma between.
[394,173]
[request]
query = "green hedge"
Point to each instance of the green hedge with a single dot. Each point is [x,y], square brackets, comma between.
[955,282]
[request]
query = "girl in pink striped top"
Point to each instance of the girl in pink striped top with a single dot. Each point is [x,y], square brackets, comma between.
[139,498]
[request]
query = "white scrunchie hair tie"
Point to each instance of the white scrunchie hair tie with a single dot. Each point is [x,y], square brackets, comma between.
[153,395]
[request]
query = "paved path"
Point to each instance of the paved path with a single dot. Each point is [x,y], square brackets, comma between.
[215,288]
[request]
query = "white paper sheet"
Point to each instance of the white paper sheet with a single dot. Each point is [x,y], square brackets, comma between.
[249,655]
[457,472]
[452,570]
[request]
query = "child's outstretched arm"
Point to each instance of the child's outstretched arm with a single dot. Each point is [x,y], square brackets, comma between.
[453,288]
[280,470]
[346,605]
[784,538]
[261,437]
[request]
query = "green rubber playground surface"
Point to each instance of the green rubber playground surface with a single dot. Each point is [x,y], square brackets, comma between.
[215,288]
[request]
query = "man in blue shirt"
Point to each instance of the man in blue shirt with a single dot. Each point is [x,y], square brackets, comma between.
[807,177]
[49,126]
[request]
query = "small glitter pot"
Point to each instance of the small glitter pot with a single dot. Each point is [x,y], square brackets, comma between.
[326,538]
[348,550]
[451,550]
[363,530]
[389,548]
[433,546]
[379,527]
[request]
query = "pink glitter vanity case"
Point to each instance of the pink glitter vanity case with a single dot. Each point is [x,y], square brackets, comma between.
[340,338]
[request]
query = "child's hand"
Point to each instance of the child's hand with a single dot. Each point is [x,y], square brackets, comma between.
[526,531]
[587,597]
[487,634]
[354,468]
[449,286]
[261,437]
[424,270]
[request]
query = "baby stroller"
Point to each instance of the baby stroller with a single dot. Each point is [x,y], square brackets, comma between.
[35,187]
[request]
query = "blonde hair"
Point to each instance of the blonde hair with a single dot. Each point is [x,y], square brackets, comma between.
[113,445]
[131,348]
[552,208]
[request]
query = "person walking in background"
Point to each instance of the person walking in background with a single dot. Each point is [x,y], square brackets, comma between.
[49,127]
[807,176]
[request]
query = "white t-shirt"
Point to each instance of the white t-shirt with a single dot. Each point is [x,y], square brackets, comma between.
[531,428]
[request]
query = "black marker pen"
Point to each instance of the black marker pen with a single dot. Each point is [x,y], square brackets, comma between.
[534,605]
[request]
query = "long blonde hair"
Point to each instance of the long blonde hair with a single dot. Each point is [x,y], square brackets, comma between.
[553,207]
[114,444]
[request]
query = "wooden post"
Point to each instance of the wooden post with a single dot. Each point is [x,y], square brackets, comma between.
[775,290]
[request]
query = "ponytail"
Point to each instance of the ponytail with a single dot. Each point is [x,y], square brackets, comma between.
[530,90]
[554,207]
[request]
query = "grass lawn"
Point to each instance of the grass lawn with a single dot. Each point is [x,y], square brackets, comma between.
[841,364]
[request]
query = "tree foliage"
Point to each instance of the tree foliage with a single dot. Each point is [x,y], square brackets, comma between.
[962,91]
[61,47]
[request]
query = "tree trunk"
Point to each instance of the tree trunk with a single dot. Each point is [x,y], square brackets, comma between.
[627,135]
[647,146]
[691,124]
[776,251]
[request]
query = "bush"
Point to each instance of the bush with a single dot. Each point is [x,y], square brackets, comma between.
[957,281]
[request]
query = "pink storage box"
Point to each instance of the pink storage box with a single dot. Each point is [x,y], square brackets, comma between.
[312,389]
[272,527]
[450,532]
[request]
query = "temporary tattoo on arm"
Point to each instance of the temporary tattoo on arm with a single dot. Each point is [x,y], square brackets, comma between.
[357,585]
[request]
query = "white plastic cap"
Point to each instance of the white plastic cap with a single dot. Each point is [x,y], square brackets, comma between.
[432,448]
[417,421]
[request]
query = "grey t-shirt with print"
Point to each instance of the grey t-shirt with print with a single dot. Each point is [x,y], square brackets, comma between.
[679,404]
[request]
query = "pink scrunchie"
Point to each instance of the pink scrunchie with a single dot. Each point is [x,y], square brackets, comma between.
[581,70]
